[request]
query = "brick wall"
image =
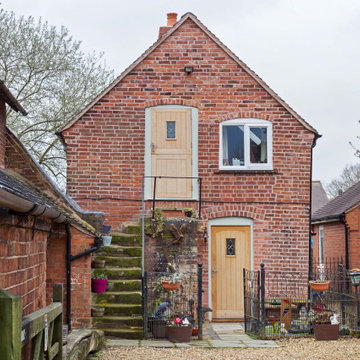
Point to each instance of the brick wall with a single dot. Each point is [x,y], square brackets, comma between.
[2,133]
[334,240]
[105,148]
[352,219]
[23,259]
[80,273]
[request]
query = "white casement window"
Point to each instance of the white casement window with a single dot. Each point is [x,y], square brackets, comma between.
[245,144]
[321,245]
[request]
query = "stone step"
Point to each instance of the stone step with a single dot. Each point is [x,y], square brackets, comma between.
[121,262]
[118,250]
[122,309]
[124,285]
[136,333]
[118,297]
[122,273]
[126,239]
[117,322]
[133,229]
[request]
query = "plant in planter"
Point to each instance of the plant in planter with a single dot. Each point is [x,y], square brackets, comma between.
[156,228]
[191,213]
[172,281]
[179,330]
[106,238]
[98,282]
[326,326]
[320,284]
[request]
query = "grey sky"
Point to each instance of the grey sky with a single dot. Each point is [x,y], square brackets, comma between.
[308,51]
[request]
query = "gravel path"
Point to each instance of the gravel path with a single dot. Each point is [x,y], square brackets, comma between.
[292,349]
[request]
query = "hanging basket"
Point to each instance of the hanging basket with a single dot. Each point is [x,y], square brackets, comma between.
[319,286]
[170,286]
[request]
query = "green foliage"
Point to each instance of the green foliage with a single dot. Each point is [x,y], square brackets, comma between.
[190,212]
[156,228]
[53,80]
[98,274]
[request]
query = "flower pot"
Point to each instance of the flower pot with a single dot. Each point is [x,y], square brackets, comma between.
[98,264]
[97,312]
[98,285]
[159,329]
[179,333]
[326,331]
[106,240]
[170,286]
[319,286]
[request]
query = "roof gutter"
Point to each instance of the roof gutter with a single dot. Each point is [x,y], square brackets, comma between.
[10,99]
[26,207]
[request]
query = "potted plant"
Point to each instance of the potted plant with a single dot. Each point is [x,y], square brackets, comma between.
[172,281]
[156,227]
[98,282]
[106,238]
[324,327]
[179,330]
[320,284]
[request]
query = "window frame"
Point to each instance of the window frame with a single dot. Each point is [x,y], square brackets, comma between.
[247,123]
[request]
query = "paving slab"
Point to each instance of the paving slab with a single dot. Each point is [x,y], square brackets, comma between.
[157,343]
[122,342]
[226,344]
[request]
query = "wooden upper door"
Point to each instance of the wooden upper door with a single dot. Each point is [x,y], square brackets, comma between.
[230,253]
[171,152]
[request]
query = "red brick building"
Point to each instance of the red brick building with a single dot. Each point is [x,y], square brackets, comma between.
[40,228]
[189,108]
[336,229]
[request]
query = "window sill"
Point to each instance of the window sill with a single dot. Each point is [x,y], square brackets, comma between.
[247,171]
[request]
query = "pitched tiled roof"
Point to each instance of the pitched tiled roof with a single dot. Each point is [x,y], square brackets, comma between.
[219,43]
[318,196]
[342,203]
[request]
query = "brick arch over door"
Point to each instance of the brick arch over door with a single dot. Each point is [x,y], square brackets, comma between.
[170,101]
[242,211]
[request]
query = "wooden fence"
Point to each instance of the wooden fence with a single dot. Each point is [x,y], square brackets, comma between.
[36,336]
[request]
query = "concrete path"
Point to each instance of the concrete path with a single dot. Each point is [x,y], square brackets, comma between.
[216,335]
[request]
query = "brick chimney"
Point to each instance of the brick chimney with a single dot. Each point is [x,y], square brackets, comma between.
[171,21]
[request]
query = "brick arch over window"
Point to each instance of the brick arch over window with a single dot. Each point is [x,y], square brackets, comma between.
[171,101]
[245,115]
[220,211]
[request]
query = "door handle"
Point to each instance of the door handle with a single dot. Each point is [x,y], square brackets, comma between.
[213,271]
[152,146]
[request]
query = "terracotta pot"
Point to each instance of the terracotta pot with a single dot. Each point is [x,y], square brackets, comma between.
[179,333]
[326,331]
[195,331]
[170,286]
[319,286]
[98,285]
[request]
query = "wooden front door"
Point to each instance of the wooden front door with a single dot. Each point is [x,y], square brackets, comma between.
[171,152]
[230,253]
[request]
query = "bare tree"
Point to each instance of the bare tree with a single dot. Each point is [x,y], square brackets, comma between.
[349,176]
[52,78]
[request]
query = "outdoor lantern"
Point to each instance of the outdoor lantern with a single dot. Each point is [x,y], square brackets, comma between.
[355,281]
[205,236]
[188,69]
[355,277]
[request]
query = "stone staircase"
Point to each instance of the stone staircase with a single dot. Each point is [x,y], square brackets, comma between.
[122,299]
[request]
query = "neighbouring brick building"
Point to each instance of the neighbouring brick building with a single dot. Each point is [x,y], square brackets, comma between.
[336,229]
[39,228]
[189,108]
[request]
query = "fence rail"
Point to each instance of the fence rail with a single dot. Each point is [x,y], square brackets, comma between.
[282,303]
[36,336]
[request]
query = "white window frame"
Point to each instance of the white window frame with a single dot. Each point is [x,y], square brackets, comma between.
[247,123]
[321,245]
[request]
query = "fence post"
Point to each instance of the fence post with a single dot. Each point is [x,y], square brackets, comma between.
[200,335]
[10,328]
[341,290]
[144,303]
[262,294]
[58,322]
